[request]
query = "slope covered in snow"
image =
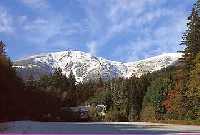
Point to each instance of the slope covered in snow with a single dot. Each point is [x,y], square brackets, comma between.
[87,67]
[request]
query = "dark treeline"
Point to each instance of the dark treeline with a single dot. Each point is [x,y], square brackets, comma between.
[168,94]
[18,102]
[41,99]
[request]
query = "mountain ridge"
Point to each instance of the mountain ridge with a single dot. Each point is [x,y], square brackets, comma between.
[88,67]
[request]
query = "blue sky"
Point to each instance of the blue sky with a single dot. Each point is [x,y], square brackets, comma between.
[123,30]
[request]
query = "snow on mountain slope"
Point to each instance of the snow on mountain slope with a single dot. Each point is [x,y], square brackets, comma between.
[152,64]
[87,67]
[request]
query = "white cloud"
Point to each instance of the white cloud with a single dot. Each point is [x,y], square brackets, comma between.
[121,9]
[38,25]
[155,29]
[40,30]
[106,18]
[36,3]
[126,15]
[92,47]
[154,32]
[50,32]
[46,29]
[22,19]
[110,20]
[6,22]
[162,39]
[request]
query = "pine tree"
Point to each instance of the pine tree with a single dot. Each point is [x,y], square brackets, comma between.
[191,38]
[2,48]
[186,74]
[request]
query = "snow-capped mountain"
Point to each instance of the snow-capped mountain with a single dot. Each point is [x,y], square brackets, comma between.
[85,66]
